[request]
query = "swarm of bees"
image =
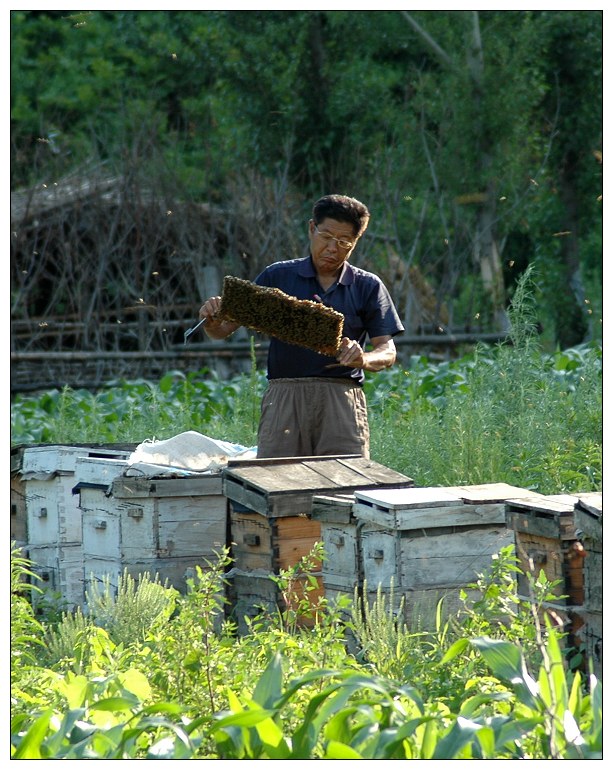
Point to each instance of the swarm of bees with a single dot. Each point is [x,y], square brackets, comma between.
[271,311]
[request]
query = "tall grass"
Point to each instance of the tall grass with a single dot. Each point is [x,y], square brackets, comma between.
[512,414]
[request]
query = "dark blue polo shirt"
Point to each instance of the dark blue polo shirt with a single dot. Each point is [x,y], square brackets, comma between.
[359,295]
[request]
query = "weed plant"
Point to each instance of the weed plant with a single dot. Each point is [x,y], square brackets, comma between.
[505,414]
[188,689]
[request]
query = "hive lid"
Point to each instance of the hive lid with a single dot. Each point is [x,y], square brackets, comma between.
[414,497]
[553,505]
[59,458]
[591,502]
[490,493]
[276,476]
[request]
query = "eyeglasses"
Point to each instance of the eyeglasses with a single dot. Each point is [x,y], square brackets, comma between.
[342,243]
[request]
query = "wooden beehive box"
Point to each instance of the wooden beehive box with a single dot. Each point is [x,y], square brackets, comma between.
[544,534]
[562,536]
[163,526]
[587,619]
[424,544]
[42,486]
[270,503]
[341,569]
[45,516]
[59,568]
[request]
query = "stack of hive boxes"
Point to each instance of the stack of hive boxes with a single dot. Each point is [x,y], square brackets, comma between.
[562,536]
[162,526]
[588,528]
[420,543]
[47,515]
[271,526]
[80,518]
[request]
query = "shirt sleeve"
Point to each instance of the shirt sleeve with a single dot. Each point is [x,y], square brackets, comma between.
[381,317]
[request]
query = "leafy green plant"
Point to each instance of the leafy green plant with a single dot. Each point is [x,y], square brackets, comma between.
[563,723]
[126,614]
[25,628]
[63,640]
[111,707]
[104,717]
[190,655]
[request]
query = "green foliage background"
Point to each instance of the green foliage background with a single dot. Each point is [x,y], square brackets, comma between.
[350,101]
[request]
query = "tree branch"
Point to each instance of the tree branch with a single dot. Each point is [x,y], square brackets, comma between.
[426,37]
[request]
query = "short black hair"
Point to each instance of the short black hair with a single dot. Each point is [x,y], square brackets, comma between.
[343,209]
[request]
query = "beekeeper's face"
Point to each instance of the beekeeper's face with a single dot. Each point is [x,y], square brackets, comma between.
[332,243]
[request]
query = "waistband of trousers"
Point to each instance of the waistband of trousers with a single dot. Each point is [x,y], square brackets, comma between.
[346,381]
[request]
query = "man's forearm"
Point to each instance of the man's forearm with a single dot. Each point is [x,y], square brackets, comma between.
[381,357]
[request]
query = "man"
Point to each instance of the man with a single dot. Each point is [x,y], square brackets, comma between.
[314,406]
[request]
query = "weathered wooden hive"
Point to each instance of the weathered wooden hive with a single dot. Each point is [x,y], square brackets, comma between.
[18,516]
[271,526]
[562,536]
[142,524]
[424,544]
[588,618]
[47,515]
[342,569]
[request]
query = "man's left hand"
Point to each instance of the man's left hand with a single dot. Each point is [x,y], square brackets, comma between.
[351,354]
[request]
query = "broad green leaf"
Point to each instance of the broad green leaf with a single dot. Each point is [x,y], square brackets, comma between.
[507,663]
[574,698]
[503,658]
[273,740]
[457,648]
[115,703]
[269,688]
[510,729]
[461,734]
[487,741]
[75,690]
[244,718]
[336,750]
[431,734]
[470,705]
[105,742]
[407,730]
[337,728]
[29,746]
[164,707]
[558,672]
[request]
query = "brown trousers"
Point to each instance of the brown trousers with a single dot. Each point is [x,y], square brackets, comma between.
[312,416]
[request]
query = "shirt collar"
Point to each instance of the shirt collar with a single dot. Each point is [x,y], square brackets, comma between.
[346,277]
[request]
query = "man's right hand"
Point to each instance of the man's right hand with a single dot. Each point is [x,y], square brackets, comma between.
[210,308]
[215,327]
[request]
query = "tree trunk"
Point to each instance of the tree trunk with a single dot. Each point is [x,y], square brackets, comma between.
[485,247]
[488,257]
[570,322]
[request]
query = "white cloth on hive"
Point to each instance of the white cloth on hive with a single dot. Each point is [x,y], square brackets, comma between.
[186,453]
